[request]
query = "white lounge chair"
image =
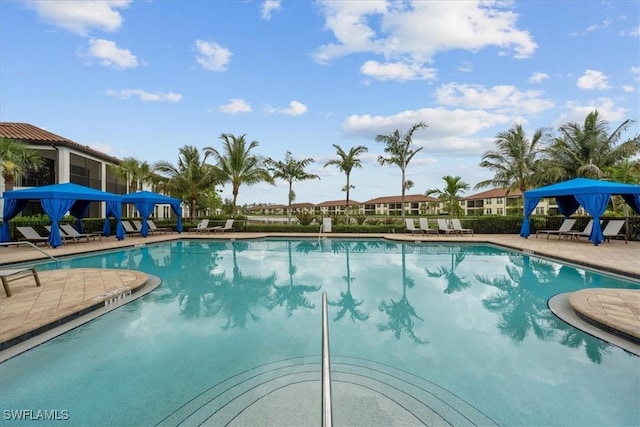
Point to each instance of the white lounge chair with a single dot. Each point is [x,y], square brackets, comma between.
[128,228]
[411,227]
[612,230]
[457,227]
[74,234]
[566,226]
[31,235]
[228,226]
[443,227]
[11,274]
[202,226]
[577,234]
[154,229]
[424,226]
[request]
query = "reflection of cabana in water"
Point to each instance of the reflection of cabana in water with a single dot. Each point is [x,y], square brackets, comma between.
[591,194]
[145,201]
[56,201]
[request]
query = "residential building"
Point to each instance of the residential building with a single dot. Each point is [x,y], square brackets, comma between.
[497,202]
[337,207]
[414,204]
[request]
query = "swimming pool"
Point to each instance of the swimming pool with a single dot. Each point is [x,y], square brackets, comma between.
[420,334]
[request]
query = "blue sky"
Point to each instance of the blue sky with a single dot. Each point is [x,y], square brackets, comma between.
[143,78]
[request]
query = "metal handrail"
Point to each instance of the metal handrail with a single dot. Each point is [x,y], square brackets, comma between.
[326,368]
[33,246]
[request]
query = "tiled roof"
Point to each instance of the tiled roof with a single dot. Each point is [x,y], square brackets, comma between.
[337,203]
[408,198]
[36,136]
[302,205]
[495,192]
[261,207]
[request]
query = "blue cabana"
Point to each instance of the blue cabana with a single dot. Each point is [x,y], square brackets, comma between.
[591,194]
[145,201]
[57,200]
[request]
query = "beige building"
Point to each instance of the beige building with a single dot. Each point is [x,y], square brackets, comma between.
[497,202]
[414,204]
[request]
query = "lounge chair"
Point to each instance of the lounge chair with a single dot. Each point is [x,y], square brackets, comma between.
[154,229]
[64,235]
[128,228]
[443,227]
[75,235]
[424,226]
[11,274]
[612,230]
[228,226]
[577,234]
[202,226]
[411,227]
[31,235]
[457,227]
[566,226]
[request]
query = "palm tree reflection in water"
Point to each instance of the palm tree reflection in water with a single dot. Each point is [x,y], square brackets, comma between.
[455,283]
[401,313]
[346,301]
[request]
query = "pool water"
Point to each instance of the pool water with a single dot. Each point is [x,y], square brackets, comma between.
[419,334]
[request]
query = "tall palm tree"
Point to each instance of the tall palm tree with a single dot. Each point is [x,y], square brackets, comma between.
[134,172]
[515,160]
[345,163]
[400,153]
[16,158]
[290,170]
[449,195]
[238,165]
[190,178]
[586,150]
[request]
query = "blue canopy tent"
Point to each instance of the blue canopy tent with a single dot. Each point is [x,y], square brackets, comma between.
[57,200]
[145,201]
[591,194]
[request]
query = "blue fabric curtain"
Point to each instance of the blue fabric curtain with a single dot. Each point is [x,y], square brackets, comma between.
[633,200]
[567,205]
[176,210]
[530,204]
[79,210]
[56,208]
[145,209]
[12,207]
[595,205]
[114,209]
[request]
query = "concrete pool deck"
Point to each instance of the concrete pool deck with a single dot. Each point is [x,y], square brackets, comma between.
[68,292]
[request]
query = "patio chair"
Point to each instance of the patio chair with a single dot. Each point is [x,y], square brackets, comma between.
[11,274]
[75,235]
[424,226]
[584,233]
[612,230]
[228,226]
[64,235]
[154,229]
[411,227]
[128,228]
[202,226]
[443,227]
[566,226]
[457,226]
[31,235]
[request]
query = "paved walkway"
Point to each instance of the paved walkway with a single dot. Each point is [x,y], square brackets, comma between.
[69,292]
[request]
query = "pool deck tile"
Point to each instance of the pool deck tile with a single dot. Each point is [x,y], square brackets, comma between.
[65,292]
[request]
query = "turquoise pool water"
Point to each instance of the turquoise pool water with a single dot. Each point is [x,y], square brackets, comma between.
[457,334]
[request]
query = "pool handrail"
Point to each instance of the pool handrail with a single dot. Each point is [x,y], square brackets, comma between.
[24,242]
[326,367]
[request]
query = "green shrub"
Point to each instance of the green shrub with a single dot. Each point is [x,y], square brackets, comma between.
[305,218]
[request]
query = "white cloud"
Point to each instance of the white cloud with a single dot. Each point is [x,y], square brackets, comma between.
[268,7]
[144,95]
[295,109]
[607,108]
[110,55]
[628,88]
[635,72]
[397,71]
[538,77]
[605,23]
[236,106]
[592,79]
[418,30]
[503,98]
[466,67]
[212,56]
[80,17]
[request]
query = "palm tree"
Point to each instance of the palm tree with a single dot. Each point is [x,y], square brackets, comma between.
[190,178]
[238,165]
[449,194]
[515,160]
[587,150]
[345,163]
[290,170]
[16,158]
[398,147]
[134,172]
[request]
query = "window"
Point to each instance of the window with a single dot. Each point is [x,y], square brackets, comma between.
[488,210]
[488,201]
[500,211]
[499,200]
[462,202]
[539,211]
